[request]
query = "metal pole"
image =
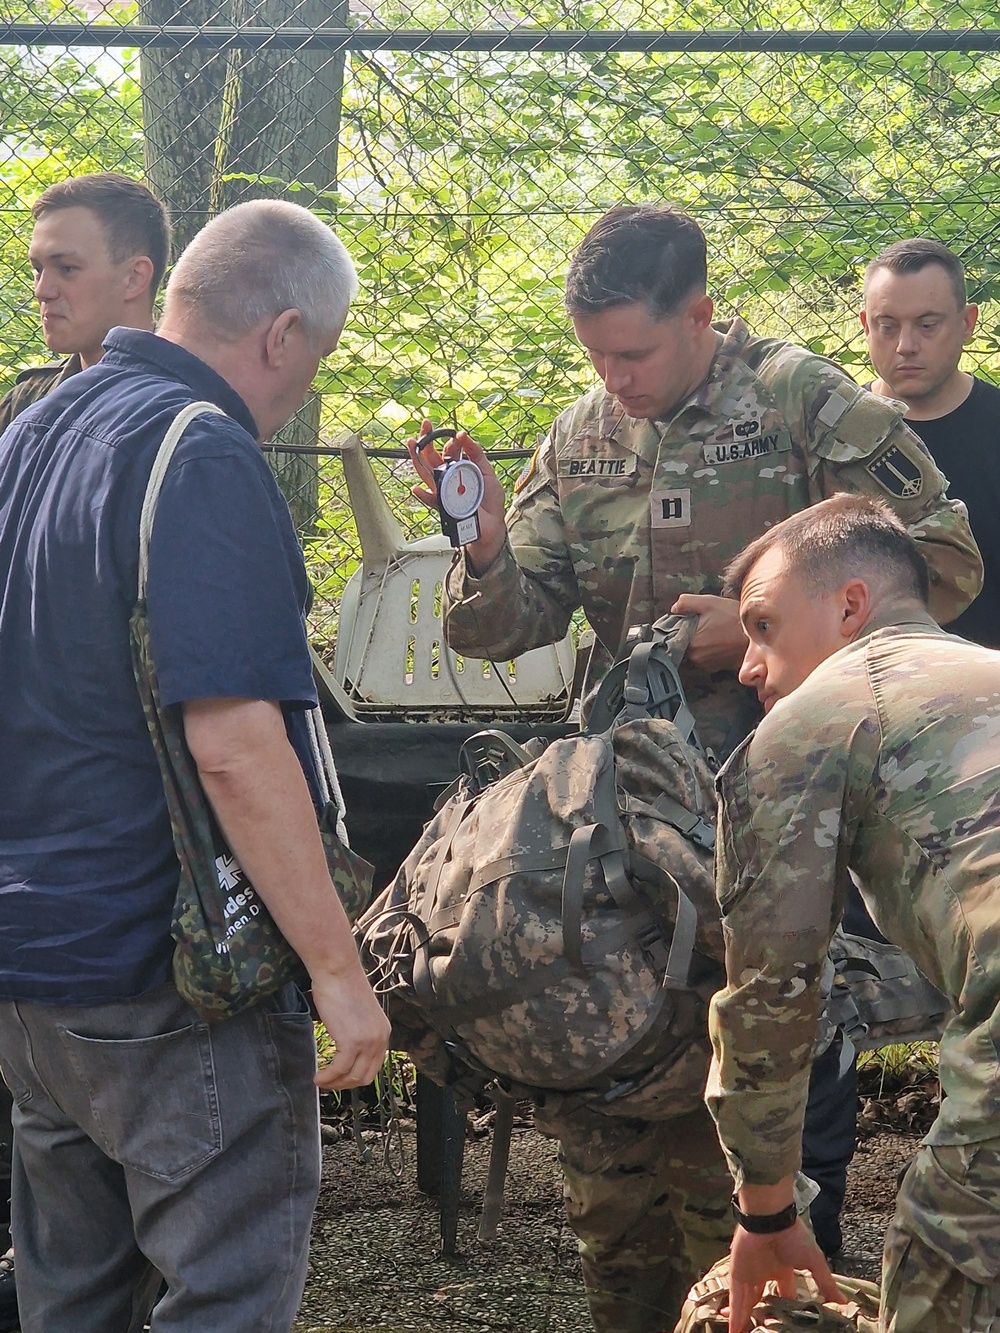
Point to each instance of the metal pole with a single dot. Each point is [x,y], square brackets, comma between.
[532,40]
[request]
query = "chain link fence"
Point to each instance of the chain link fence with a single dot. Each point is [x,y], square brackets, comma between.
[462,149]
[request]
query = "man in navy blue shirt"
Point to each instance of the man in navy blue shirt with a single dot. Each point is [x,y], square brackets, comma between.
[140,1132]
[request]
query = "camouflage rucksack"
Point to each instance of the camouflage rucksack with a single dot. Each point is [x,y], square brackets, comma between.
[776,1314]
[559,930]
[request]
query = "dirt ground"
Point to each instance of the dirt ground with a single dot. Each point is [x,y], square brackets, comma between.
[376,1264]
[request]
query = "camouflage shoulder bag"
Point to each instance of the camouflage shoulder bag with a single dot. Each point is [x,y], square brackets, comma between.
[228,951]
[702,1311]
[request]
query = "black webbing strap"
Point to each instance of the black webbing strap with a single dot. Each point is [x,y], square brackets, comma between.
[696,828]
[682,931]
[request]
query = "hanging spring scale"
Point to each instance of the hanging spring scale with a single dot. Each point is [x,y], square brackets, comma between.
[459,488]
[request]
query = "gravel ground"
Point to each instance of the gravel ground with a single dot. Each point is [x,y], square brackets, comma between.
[376,1266]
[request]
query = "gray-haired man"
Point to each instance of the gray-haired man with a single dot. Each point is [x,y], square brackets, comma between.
[140,1132]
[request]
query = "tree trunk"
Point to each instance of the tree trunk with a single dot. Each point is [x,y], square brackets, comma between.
[221,129]
[181,103]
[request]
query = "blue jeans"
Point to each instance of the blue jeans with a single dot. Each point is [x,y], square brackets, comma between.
[144,1136]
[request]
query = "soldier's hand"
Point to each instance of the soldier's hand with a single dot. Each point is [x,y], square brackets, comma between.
[492,526]
[358,1029]
[718,643]
[756,1260]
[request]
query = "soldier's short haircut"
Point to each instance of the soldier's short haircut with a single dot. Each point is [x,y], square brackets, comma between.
[913,255]
[134,221]
[639,252]
[258,259]
[838,539]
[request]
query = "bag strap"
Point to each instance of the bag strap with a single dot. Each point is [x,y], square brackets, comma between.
[653,687]
[326,771]
[161,462]
[319,740]
[694,827]
[605,842]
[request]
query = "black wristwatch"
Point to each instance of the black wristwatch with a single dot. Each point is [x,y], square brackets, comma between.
[764,1224]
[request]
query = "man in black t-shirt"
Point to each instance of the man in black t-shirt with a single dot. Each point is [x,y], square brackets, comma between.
[917,321]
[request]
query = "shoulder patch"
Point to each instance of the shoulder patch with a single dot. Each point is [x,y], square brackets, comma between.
[527,472]
[895,473]
[833,409]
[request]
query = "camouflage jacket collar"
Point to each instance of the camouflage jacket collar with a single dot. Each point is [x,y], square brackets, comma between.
[711,398]
[56,371]
[905,618]
[710,394]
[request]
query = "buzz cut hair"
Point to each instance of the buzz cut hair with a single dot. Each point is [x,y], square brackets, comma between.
[913,255]
[255,261]
[638,253]
[836,540]
[133,220]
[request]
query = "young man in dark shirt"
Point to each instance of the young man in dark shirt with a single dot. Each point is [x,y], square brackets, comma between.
[917,321]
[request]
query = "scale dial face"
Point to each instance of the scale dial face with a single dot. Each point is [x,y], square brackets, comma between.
[461,489]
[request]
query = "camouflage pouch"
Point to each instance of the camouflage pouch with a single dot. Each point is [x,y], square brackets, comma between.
[701,1312]
[229,953]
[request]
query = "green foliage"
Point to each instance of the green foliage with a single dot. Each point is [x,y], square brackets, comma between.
[465,180]
[891,1067]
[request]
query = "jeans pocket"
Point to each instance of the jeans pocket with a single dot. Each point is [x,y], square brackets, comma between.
[153,1100]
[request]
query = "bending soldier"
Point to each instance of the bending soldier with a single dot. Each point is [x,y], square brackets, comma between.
[878,756]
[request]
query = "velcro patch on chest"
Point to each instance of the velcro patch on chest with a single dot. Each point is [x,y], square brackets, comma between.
[670,509]
[602,467]
[741,451]
[897,474]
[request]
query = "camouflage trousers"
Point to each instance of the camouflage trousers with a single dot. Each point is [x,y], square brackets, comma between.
[649,1202]
[941,1269]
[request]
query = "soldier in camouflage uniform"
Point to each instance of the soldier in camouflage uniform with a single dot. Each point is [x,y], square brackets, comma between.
[879,756]
[99,250]
[700,438]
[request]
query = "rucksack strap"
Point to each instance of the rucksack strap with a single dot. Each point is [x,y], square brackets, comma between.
[424,907]
[653,689]
[593,842]
[696,828]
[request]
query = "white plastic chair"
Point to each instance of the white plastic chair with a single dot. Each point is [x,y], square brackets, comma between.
[391,657]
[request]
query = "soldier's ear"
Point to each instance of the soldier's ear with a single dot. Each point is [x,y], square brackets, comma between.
[700,312]
[855,601]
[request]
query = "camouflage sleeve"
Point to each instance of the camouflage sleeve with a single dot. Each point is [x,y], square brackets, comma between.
[8,409]
[861,443]
[779,859]
[527,596]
